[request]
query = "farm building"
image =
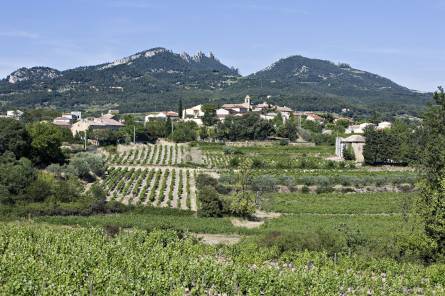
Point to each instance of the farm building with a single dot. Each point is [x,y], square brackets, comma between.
[356,142]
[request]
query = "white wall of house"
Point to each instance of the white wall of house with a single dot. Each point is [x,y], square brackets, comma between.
[195,112]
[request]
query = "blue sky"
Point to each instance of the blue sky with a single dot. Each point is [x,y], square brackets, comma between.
[399,39]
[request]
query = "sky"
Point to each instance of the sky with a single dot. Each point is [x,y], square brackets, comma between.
[403,40]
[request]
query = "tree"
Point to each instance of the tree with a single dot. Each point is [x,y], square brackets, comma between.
[14,137]
[86,165]
[243,201]
[15,176]
[348,153]
[184,132]
[168,127]
[41,188]
[432,169]
[211,204]
[180,108]
[209,117]
[290,128]
[45,143]
[156,128]
[382,147]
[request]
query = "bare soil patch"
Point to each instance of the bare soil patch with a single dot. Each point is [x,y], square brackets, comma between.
[218,239]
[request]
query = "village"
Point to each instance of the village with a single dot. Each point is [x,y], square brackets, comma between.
[352,136]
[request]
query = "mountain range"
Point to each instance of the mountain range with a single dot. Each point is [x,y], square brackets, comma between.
[158,78]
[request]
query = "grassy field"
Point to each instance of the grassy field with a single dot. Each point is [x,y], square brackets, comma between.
[336,203]
[150,220]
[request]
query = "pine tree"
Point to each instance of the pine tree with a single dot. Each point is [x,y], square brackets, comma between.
[180,108]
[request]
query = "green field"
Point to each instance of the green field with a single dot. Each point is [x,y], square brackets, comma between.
[337,203]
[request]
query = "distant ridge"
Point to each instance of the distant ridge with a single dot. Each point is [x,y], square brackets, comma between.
[155,79]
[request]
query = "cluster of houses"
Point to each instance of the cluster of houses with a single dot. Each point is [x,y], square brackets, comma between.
[79,125]
[266,110]
[196,113]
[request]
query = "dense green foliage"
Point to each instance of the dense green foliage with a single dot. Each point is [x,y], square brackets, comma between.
[432,168]
[247,127]
[398,145]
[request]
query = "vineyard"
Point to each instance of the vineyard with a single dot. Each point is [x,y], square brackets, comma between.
[160,154]
[158,187]
[91,261]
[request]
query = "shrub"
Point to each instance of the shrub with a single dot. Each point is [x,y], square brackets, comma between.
[206,180]
[324,188]
[85,164]
[264,183]
[229,150]
[234,162]
[258,163]
[210,203]
[284,142]
[348,153]
[242,204]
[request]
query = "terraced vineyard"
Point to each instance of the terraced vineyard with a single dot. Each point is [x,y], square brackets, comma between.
[159,154]
[159,187]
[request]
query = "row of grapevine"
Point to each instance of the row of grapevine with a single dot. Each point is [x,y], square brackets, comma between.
[159,154]
[40,259]
[216,160]
[161,187]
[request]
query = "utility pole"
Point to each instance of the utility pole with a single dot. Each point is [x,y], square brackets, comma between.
[134,134]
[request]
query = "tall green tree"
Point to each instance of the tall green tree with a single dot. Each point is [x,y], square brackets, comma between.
[432,169]
[209,117]
[180,108]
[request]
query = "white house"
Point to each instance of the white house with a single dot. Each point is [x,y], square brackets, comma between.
[358,129]
[161,116]
[193,112]
[384,125]
[222,113]
[16,114]
[239,108]
[313,117]
[63,121]
[95,123]
[155,116]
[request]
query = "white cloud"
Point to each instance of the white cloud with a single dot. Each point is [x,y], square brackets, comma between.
[19,34]
[130,4]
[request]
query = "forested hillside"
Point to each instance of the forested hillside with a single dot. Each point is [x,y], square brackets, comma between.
[157,78]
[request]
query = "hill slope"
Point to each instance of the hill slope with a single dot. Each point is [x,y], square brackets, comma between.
[155,79]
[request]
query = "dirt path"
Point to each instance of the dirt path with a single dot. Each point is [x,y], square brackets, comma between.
[246,223]
[175,191]
[196,155]
[259,218]
[218,239]
[184,191]
[193,203]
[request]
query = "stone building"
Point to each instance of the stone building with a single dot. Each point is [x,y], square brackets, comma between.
[356,142]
